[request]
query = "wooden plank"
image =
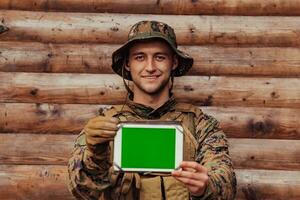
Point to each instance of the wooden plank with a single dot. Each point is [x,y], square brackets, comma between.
[238,122]
[113,28]
[279,123]
[96,58]
[215,7]
[109,89]
[45,149]
[25,182]
[39,182]
[268,184]
[265,154]
[36,149]
[46,118]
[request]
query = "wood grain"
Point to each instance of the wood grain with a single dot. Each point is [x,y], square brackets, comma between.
[265,154]
[45,149]
[268,184]
[31,182]
[50,27]
[96,58]
[109,89]
[35,149]
[38,182]
[238,122]
[214,7]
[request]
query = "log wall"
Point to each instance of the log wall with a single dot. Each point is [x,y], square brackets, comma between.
[177,7]
[55,74]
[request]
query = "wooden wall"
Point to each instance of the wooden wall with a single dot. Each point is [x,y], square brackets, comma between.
[55,58]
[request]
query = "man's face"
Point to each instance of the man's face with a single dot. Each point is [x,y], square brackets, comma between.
[150,64]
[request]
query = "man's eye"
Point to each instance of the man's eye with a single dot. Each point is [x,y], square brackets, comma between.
[160,58]
[139,58]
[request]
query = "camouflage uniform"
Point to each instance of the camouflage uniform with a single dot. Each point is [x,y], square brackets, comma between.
[91,175]
[91,178]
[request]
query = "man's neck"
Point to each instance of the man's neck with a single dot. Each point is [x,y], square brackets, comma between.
[154,101]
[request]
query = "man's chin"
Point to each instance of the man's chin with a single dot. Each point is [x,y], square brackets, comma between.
[152,88]
[152,91]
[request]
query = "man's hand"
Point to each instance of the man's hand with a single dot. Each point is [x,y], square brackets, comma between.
[100,130]
[193,175]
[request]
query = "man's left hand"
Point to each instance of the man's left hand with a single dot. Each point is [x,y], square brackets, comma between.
[193,175]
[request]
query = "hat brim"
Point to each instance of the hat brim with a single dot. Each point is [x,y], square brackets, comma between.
[185,62]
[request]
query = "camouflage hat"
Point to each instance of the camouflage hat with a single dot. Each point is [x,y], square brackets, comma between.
[145,30]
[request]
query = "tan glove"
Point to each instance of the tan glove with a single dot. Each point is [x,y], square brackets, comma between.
[100,130]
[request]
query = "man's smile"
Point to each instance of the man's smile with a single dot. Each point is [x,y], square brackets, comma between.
[151,76]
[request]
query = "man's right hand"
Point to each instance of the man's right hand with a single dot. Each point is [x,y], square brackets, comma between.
[99,130]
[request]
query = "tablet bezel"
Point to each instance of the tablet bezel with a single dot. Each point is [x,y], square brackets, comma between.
[146,124]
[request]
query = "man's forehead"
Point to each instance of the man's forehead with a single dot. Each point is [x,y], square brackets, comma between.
[155,46]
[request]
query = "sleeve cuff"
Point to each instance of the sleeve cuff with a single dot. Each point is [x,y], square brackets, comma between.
[207,193]
[95,163]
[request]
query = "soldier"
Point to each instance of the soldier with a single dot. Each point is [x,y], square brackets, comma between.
[151,60]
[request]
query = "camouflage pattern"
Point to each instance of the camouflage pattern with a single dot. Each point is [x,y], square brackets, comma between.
[90,175]
[145,30]
[148,28]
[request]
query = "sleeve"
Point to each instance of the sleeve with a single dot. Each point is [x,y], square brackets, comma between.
[213,154]
[88,173]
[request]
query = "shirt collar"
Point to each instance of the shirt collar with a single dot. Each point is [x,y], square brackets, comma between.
[148,112]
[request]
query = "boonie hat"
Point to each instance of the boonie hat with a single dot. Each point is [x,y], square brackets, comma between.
[145,30]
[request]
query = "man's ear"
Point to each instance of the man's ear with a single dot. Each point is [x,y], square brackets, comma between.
[175,62]
[127,65]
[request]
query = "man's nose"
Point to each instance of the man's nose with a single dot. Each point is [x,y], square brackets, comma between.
[150,65]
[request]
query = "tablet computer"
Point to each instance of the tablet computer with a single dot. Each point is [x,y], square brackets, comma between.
[148,146]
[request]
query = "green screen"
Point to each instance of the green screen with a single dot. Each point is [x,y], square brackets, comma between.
[148,148]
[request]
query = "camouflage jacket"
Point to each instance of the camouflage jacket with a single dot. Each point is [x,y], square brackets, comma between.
[90,177]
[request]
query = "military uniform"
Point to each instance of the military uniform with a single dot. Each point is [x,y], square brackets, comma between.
[91,175]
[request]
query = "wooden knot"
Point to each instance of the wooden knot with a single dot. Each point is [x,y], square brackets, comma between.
[3,29]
